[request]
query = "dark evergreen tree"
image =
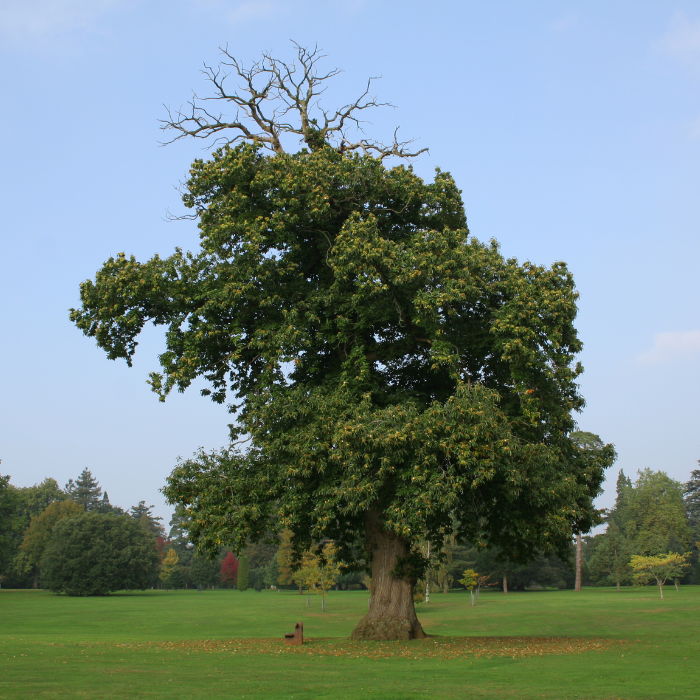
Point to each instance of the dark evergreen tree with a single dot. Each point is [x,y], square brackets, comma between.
[691,497]
[85,490]
[150,522]
[10,530]
[243,579]
[623,490]
[105,506]
[205,572]
[177,578]
[178,527]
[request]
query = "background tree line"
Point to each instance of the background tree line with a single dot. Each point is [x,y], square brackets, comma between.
[653,515]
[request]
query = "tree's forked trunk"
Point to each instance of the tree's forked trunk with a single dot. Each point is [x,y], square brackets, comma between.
[505,583]
[675,583]
[661,589]
[392,614]
[577,584]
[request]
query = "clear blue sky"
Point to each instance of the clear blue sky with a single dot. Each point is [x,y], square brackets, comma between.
[573,129]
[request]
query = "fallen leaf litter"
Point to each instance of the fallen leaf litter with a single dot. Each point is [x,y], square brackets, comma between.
[431,648]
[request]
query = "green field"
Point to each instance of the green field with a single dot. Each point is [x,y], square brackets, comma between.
[227,644]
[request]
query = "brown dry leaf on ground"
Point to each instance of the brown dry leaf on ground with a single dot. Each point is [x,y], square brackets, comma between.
[431,648]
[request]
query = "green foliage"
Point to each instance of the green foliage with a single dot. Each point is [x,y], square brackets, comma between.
[168,566]
[17,507]
[691,497]
[38,534]
[178,527]
[271,573]
[610,553]
[150,522]
[86,491]
[9,529]
[243,573]
[427,374]
[320,569]
[176,579]
[659,568]
[469,579]
[95,553]
[35,499]
[655,515]
[204,572]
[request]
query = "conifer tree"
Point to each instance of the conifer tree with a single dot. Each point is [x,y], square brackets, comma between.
[691,497]
[144,514]
[85,490]
[242,579]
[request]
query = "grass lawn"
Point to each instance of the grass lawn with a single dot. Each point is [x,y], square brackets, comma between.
[227,644]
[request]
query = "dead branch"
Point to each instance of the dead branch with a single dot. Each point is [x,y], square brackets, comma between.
[272,98]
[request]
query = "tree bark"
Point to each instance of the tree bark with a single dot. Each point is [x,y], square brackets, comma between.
[392,614]
[577,584]
[618,586]
[505,583]
[35,583]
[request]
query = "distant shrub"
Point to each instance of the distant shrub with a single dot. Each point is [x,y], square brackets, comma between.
[95,553]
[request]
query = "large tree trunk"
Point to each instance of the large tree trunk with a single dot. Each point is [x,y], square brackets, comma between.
[577,584]
[392,614]
[505,583]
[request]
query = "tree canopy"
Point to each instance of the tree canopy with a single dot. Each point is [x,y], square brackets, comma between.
[656,518]
[38,535]
[96,553]
[394,378]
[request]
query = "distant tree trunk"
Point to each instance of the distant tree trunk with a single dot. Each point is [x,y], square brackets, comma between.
[618,585]
[35,583]
[577,584]
[392,614]
[661,589]
[301,592]
[505,583]
[427,578]
[446,586]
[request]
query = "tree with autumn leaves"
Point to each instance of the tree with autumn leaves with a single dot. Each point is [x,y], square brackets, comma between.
[392,379]
[229,570]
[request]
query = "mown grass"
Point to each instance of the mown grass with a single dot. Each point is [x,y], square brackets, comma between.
[226,644]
